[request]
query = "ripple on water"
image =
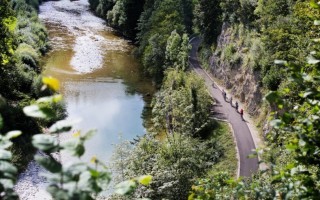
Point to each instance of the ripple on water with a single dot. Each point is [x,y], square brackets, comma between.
[73,15]
[81,32]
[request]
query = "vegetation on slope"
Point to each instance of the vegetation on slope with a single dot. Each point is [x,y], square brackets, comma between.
[259,32]
[190,147]
[23,42]
[279,28]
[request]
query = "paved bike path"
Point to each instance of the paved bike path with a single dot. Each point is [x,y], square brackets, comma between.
[223,110]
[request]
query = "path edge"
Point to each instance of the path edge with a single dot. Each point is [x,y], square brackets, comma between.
[258,143]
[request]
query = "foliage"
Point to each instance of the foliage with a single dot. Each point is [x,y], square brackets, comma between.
[75,180]
[236,11]
[216,187]
[292,144]
[297,127]
[26,41]
[6,39]
[222,133]
[270,10]
[182,105]
[121,14]
[172,163]
[273,78]
[124,15]
[155,30]
[8,172]
[208,19]
[177,51]
[30,39]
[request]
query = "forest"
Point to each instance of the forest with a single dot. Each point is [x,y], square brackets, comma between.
[265,52]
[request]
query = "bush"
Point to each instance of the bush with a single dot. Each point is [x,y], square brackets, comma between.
[173,164]
[273,78]
[27,55]
[228,52]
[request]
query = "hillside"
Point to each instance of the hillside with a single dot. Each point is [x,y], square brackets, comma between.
[242,40]
[264,53]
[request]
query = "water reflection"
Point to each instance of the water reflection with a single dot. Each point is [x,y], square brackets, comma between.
[106,106]
[100,78]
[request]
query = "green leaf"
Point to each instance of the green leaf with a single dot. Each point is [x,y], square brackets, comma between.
[276,123]
[145,180]
[70,145]
[125,187]
[4,144]
[306,94]
[7,167]
[316,40]
[313,4]
[302,143]
[79,151]
[13,134]
[76,169]
[312,60]
[316,22]
[272,97]
[75,147]
[49,163]
[291,147]
[52,99]
[5,155]
[280,62]
[45,143]
[58,193]
[61,126]
[38,112]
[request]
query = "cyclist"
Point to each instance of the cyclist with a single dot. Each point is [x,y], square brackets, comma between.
[224,94]
[241,113]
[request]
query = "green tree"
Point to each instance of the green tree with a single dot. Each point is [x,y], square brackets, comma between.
[292,144]
[270,10]
[208,16]
[156,24]
[7,25]
[177,51]
[124,15]
[182,105]
[172,163]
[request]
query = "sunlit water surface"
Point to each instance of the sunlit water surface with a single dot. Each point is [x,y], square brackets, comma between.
[100,77]
[101,81]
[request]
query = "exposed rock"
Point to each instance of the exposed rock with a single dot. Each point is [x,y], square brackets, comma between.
[243,82]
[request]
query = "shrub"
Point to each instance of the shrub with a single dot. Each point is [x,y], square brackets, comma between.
[273,78]
[27,55]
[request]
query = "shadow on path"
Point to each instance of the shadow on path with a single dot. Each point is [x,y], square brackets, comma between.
[224,111]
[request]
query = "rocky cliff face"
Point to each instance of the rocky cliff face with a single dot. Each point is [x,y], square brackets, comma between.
[233,63]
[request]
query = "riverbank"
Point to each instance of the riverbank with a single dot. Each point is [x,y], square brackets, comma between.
[100,80]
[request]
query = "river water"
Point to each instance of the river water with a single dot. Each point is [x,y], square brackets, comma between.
[101,82]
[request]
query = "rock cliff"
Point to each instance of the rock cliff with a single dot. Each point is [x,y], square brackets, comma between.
[233,62]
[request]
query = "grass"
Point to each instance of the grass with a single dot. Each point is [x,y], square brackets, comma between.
[228,162]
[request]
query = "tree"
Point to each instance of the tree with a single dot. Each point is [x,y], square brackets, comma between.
[292,144]
[173,163]
[208,15]
[177,51]
[124,15]
[7,25]
[182,105]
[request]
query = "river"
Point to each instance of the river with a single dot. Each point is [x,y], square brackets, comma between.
[101,83]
